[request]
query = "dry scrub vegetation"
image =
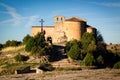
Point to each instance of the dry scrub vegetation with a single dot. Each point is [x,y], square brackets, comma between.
[13,49]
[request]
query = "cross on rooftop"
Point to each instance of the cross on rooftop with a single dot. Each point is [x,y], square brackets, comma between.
[41,21]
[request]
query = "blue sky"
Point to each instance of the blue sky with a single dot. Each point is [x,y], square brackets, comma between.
[17,16]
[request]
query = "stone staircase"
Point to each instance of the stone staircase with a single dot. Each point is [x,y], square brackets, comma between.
[64,63]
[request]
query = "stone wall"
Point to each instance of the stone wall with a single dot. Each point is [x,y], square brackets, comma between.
[64,29]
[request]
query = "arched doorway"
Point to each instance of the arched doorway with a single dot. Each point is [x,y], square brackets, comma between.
[49,39]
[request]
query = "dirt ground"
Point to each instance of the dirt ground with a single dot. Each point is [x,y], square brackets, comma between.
[96,74]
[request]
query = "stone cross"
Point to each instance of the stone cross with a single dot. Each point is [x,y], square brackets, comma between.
[41,24]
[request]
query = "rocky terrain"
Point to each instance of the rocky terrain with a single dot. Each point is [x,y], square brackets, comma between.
[85,74]
[62,74]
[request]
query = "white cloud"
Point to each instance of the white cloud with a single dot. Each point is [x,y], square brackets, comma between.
[17,19]
[111,4]
[7,21]
[108,4]
[31,20]
[12,11]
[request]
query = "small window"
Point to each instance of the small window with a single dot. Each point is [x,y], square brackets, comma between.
[61,19]
[57,19]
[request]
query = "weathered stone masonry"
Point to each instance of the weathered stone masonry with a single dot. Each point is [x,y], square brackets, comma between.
[65,29]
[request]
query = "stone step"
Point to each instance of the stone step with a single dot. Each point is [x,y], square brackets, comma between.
[64,63]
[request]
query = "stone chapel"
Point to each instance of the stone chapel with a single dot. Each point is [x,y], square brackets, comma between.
[64,29]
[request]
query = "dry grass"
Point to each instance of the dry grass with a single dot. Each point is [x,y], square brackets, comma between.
[96,74]
[114,47]
[13,49]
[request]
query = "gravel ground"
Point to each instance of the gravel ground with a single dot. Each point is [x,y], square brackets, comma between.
[97,74]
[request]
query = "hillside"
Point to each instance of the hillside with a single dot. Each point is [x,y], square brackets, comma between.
[114,48]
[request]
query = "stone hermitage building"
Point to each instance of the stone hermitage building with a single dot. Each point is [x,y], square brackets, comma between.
[64,29]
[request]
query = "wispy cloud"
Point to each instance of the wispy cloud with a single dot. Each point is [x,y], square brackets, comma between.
[7,21]
[12,11]
[112,4]
[31,19]
[108,4]
[17,19]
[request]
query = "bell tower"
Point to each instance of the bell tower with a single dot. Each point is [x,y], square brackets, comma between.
[58,22]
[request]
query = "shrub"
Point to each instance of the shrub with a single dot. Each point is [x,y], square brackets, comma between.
[88,60]
[26,38]
[117,65]
[12,43]
[36,45]
[74,52]
[71,43]
[86,40]
[91,47]
[46,67]
[20,58]
[29,44]
[37,51]
[100,61]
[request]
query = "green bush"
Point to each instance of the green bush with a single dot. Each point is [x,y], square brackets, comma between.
[12,43]
[87,38]
[74,52]
[91,47]
[100,61]
[88,60]
[37,51]
[26,38]
[36,45]
[29,44]
[71,43]
[117,65]
[20,58]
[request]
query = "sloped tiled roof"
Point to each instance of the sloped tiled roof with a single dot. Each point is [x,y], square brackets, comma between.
[76,19]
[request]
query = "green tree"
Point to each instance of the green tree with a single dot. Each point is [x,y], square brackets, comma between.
[99,37]
[91,47]
[100,61]
[37,51]
[89,60]
[26,38]
[40,40]
[117,65]
[30,44]
[36,45]
[74,52]
[87,38]
[12,43]
[71,43]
